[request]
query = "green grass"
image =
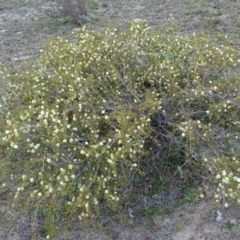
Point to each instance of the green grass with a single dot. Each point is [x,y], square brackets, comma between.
[230,225]
[64,20]
[95,19]
[105,4]
[94,4]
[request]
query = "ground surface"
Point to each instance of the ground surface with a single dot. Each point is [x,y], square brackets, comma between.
[25,25]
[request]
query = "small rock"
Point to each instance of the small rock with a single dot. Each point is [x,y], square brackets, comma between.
[233,221]
[219,217]
[138,20]
[130,212]
[22,58]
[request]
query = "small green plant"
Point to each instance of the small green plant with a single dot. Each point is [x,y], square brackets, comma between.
[190,197]
[157,210]
[212,21]
[131,222]
[236,35]
[199,3]
[178,228]
[214,12]
[147,224]
[150,212]
[105,4]
[229,225]
[113,15]
[95,19]
[64,20]
[99,225]
[94,4]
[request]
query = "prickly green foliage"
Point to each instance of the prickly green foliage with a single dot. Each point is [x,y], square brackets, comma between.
[96,114]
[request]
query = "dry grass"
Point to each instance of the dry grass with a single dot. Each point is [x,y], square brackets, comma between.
[77,10]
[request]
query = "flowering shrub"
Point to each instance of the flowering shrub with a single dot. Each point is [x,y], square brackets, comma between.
[96,114]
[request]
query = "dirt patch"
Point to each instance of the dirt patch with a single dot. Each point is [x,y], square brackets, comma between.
[25,25]
[188,222]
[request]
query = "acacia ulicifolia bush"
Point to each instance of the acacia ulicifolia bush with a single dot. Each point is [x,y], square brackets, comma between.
[90,118]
